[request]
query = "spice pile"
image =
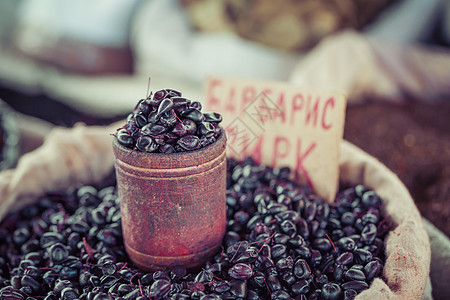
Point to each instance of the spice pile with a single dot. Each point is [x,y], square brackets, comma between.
[282,241]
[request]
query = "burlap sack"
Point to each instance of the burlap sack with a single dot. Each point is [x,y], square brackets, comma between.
[84,155]
[407,247]
[370,68]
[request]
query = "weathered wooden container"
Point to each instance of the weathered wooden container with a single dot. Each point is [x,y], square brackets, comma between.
[173,205]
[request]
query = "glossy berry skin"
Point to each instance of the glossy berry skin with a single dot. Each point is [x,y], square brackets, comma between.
[331,291]
[278,245]
[125,139]
[241,271]
[169,114]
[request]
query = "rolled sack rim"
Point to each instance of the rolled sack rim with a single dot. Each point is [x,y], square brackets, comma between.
[407,246]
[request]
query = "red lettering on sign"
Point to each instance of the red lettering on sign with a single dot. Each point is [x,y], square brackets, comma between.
[213,102]
[279,113]
[301,157]
[312,110]
[297,104]
[267,92]
[230,105]
[281,149]
[330,101]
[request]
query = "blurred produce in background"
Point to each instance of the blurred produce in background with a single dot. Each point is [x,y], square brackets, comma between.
[286,24]
[94,56]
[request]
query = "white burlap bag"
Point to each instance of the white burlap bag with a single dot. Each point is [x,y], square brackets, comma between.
[84,155]
[407,247]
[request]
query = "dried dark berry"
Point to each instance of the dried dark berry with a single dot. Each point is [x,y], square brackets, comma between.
[146,144]
[153,129]
[344,258]
[220,286]
[74,248]
[193,114]
[189,142]
[355,285]
[140,119]
[153,118]
[369,233]
[238,288]
[179,130]
[172,93]
[125,139]
[279,251]
[168,119]
[212,117]
[354,274]
[350,294]
[316,257]
[301,269]
[195,104]
[373,269]
[205,129]
[362,256]
[167,148]
[346,244]
[159,96]
[31,282]
[241,271]
[300,287]
[331,291]
[69,294]
[58,253]
[159,289]
[284,264]
[167,112]
[180,104]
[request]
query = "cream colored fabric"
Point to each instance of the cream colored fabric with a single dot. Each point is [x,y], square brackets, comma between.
[407,247]
[84,155]
[369,68]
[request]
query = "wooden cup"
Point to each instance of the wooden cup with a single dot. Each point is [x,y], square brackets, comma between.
[173,205]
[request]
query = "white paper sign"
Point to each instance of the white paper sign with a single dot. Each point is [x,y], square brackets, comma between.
[280,124]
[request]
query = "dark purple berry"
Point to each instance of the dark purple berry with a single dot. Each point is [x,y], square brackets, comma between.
[195,104]
[125,139]
[331,291]
[146,144]
[301,269]
[189,142]
[372,270]
[205,129]
[369,233]
[355,285]
[169,119]
[193,114]
[300,287]
[241,271]
[370,199]
[344,258]
[172,93]
[166,105]
[159,289]
[212,117]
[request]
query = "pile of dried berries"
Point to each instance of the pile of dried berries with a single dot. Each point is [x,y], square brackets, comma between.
[168,123]
[282,242]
